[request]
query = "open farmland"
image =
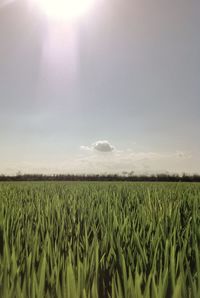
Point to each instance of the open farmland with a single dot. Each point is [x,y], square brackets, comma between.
[99,240]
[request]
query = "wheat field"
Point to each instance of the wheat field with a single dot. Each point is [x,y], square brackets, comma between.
[87,239]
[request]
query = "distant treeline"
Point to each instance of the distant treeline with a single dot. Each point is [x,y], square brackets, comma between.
[105,177]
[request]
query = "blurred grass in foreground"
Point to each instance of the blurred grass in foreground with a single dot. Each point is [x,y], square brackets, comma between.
[101,239]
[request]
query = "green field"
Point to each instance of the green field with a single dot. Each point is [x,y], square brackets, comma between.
[99,240]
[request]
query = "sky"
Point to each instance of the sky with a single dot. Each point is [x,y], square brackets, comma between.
[115,90]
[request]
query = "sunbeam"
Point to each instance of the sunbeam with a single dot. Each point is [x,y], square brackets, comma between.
[65,10]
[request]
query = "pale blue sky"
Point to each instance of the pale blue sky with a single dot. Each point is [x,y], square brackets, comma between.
[128,72]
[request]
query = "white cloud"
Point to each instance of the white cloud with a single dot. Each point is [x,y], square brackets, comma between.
[130,160]
[181,154]
[101,146]
[85,148]
[91,160]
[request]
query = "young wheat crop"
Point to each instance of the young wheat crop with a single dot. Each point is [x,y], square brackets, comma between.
[99,240]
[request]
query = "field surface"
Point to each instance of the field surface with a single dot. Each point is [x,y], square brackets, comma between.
[99,240]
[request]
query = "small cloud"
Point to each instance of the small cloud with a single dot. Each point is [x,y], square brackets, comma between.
[181,154]
[103,146]
[85,148]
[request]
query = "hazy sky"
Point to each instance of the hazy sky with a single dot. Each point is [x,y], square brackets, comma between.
[116,90]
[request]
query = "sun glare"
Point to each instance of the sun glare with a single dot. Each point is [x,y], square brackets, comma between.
[64,9]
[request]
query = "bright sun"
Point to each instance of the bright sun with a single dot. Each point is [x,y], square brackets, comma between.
[64,9]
